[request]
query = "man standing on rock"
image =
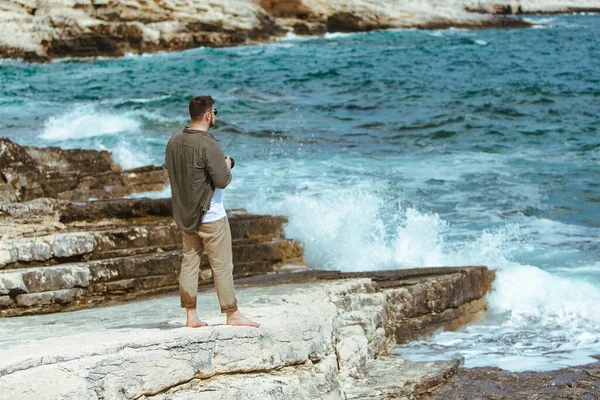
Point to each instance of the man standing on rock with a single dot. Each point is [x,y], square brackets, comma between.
[198,172]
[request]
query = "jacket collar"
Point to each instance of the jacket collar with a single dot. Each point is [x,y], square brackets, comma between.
[189,130]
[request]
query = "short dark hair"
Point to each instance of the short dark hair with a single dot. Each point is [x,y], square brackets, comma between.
[199,106]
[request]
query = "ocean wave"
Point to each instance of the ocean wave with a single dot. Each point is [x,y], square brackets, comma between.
[148,100]
[85,121]
[542,20]
[158,194]
[537,320]
[340,35]
[90,120]
[292,37]
[11,61]
[128,157]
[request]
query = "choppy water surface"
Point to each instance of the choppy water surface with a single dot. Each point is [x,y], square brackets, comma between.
[391,149]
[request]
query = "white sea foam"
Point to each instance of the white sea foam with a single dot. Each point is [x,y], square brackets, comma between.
[152,116]
[84,122]
[292,37]
[534,20]
[87,121]
[338,35]
[435,33]
[11,61]
[149,100]
[159,194]
[128,158]
[481,42]
[537,320]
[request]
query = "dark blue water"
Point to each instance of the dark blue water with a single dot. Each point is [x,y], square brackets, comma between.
[388,149]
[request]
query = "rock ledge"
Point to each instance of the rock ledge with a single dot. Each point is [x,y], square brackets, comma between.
[324,338]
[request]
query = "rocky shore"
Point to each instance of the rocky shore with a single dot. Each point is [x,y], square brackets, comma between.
[41,30]
[324,335]
[580,382]
[61,252]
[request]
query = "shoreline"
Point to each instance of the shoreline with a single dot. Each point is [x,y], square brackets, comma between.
[576,382]
[97,28]
[274,40]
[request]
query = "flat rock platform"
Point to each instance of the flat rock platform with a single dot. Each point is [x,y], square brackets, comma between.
[324,335]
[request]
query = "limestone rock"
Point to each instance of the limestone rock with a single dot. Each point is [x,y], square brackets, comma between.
[30,172]
[366,15]
[43,30]
[55,278]
[20,180]
[84,28]
[68,245]
[306,381]
[532,6]
[109,254]
[393,377]
[303,349]
[56,296]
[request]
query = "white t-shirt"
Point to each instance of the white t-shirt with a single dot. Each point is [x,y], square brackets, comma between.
[216,211]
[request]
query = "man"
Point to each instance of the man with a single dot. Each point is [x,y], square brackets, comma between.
[198,172]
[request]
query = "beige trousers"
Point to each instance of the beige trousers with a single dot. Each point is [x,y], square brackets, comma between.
[215,238]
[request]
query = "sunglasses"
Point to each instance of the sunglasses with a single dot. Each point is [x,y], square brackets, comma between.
[215,111]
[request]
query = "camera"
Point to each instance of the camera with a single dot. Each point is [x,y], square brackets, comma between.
[232,161]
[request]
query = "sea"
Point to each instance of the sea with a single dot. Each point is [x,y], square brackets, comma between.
[385,150]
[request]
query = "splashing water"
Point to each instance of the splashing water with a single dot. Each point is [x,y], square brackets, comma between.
[85,122]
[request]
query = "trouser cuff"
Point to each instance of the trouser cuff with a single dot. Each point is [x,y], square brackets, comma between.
[230,308]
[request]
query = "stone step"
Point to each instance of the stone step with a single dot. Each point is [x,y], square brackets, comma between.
[63,287]
[85,246]
[112,241]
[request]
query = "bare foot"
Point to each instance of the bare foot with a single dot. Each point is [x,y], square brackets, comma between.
[192,319]
[237,319]
[195,323]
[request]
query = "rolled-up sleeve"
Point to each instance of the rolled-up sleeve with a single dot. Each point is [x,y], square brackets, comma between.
[216,166]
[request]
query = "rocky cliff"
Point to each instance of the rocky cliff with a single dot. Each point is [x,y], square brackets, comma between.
[39,30]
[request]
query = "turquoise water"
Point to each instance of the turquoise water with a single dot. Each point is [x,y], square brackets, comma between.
[392,149]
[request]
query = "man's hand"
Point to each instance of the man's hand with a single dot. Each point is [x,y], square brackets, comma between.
[228,162]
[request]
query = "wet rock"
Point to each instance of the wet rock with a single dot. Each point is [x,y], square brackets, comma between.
[580,382]
[393,377]
[305,27]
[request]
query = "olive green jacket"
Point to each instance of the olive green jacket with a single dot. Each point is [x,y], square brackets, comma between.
[196,166]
